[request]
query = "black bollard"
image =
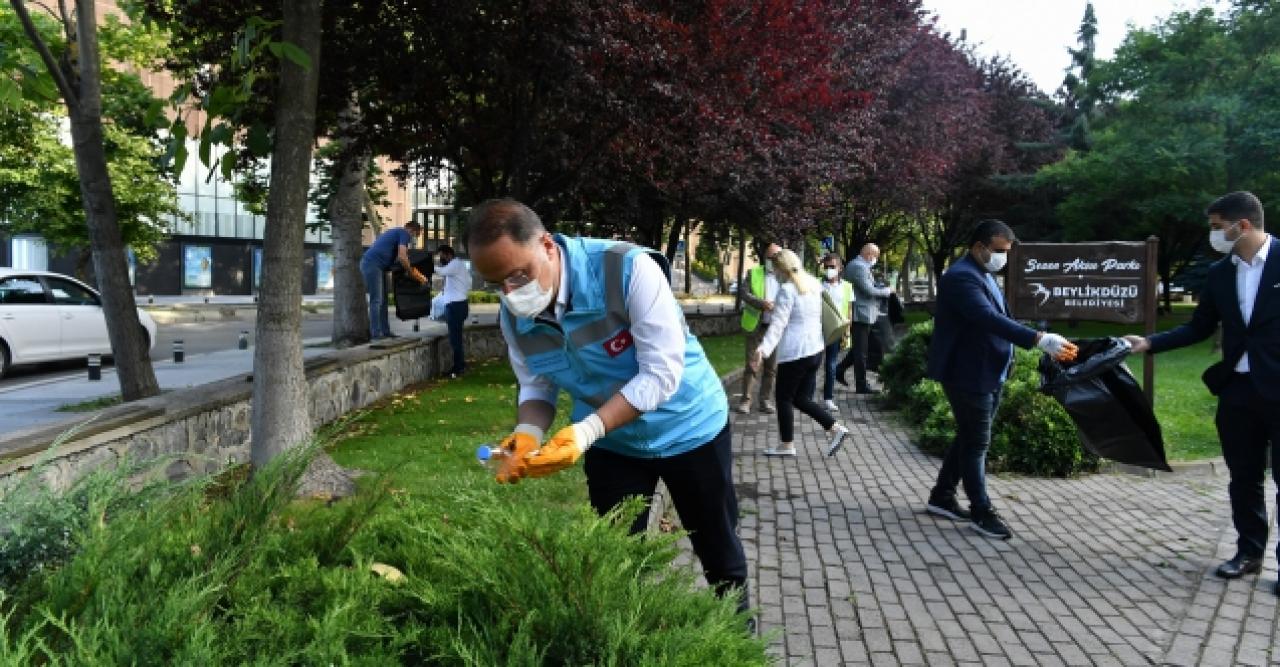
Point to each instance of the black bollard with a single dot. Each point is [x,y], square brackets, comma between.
[177,352]
[95,367]
[415,326]
[244,340]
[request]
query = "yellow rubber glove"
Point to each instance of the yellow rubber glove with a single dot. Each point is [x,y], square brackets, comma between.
[417,275]
[565,447]
[517,447]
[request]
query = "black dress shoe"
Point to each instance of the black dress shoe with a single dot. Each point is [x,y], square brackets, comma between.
[1239,566]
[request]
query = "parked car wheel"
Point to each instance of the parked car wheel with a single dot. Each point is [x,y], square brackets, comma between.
[4,359]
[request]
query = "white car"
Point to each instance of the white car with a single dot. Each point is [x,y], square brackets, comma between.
[47,316]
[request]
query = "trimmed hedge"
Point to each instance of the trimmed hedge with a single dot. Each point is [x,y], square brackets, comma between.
[1032,433]
[232,571]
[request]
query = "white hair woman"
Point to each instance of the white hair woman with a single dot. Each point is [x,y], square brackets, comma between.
[796,332]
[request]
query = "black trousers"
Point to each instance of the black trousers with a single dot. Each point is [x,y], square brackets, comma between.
[700,482]
[794,391]
[857,356]
[1249,427]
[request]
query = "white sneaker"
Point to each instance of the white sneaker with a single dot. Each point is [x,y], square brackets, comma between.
[830,405]
[744,408]
[837,434]
[789,450]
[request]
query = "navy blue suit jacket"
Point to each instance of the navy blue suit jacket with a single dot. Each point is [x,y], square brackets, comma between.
[972,334]
[1219,304]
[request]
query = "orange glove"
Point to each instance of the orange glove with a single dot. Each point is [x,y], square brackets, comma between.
[565,447]
[517,447]
[417,275]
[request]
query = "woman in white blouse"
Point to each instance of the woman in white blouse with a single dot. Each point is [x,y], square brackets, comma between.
[796,332]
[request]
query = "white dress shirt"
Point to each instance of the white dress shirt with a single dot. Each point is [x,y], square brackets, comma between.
[457,280]
[1248,275]
[796,329]
[657,327]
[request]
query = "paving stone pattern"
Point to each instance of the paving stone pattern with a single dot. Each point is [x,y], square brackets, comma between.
[1112,569]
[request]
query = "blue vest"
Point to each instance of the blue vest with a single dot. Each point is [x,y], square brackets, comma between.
[591,355]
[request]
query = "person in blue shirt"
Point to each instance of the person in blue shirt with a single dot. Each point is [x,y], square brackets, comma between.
[391,247]
[597,319]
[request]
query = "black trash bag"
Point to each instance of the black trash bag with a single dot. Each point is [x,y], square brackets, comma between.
[1104,400]
[413,300]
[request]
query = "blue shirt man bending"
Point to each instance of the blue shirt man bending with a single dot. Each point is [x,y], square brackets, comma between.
[391,247]
[597,319]
[970,355]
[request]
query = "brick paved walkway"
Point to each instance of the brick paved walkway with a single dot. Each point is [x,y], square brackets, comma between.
[1102,570]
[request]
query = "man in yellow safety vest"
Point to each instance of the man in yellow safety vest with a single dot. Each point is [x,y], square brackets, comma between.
[757,305]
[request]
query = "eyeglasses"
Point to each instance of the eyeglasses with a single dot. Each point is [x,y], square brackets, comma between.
[512,282]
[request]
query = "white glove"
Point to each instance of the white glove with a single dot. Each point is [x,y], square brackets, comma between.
[1054,344]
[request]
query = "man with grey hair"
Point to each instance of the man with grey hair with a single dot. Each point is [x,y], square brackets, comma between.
[866,309]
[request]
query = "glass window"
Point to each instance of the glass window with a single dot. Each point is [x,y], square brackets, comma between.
[67,293]
[29,253]
[21,290]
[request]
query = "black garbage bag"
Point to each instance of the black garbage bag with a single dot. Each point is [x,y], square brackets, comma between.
[1104,400]
[413,300]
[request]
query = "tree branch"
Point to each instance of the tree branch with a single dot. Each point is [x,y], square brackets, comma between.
[68,93]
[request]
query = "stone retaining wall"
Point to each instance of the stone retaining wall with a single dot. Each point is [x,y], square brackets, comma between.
[201,429]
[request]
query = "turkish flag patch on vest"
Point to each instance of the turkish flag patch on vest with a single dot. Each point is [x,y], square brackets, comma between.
[618,344]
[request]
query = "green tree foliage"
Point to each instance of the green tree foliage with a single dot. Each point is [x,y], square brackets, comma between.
[39,184]
[1189,113]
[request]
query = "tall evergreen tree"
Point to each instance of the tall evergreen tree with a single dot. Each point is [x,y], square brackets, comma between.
[1079,97]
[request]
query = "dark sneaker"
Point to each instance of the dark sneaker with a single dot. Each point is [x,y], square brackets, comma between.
[991,525]
[947,509]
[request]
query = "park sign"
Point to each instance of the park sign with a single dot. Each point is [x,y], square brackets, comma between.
[1105,282]
[1112,281]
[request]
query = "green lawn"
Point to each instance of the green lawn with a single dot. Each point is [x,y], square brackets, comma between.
[1184,407]
[726,353]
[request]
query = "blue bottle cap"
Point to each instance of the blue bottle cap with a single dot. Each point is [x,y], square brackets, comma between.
[483,452]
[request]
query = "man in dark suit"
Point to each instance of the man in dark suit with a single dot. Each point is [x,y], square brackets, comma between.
[970,354]
[1242,293]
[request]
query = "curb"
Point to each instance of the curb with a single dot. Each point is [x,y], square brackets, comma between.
[1215,467]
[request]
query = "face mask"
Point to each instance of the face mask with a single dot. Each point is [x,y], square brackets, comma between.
[1218,239]
[527,301]
[872,261]
[832,273]
[768,265]
[996,262]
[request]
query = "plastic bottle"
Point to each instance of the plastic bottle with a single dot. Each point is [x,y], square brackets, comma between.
[491,456]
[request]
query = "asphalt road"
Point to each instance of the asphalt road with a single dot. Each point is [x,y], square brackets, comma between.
[196,337]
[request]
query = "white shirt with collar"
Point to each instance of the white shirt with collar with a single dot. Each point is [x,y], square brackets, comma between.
[457,281]
[1248,277]
[657,327]
[796,329]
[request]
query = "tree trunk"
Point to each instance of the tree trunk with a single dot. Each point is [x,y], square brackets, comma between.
[688,260]
[128,344]
[281,415]
[350,307]
[742,266]
[904,276]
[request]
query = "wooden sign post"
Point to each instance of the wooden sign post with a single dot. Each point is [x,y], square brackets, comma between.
[1113,281]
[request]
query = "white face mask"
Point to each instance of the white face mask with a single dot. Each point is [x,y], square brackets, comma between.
[527,301]
[1218,239]
[872,261]
[832,273]
[996,262]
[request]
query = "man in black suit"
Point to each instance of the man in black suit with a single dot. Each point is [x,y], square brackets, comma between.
[1242,292]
